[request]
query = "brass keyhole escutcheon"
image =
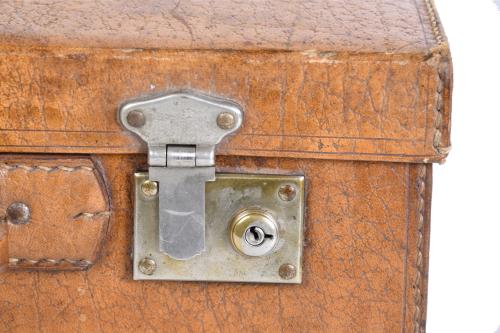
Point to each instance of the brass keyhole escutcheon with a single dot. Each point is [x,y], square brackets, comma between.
[254,232]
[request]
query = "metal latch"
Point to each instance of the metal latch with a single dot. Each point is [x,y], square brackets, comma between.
[181,131]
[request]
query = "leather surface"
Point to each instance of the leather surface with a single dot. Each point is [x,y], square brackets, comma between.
[378,107]
[69,212]
[364,264]
[360,103]
[321,82]
[325,25]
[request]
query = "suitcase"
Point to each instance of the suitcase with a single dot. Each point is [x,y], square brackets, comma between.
[219,166]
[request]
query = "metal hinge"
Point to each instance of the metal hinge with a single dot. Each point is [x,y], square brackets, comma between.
[181,131]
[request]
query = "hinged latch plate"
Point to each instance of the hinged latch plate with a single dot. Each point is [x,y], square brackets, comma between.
[181,131]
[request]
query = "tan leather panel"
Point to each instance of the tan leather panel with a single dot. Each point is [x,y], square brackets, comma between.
[358,26]
[69,211]
[364,264]
[308,105]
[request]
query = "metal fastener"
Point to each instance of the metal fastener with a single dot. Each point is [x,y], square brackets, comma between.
[147,266]
[149,188]
[18,213]
[287,192]
[136,118]
[225,120]
[287,271]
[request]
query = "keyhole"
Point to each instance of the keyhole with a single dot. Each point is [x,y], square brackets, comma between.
[256,236]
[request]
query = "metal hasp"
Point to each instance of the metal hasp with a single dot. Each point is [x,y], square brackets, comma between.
[181,131]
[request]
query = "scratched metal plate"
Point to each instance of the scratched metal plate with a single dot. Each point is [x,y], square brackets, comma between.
[220,261]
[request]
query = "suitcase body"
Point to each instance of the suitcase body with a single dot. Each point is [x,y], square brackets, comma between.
[355,97]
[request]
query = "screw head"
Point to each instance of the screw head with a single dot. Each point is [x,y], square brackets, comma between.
[147,266]
[287,192]
[149,188]
[225,120]
[18,213]
[136,118]
[287,271]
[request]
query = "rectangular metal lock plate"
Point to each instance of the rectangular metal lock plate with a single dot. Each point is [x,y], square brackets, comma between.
[230,202]
[171,235]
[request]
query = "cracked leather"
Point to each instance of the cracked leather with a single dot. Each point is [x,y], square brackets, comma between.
[360,265]
[334,90]
[318,79]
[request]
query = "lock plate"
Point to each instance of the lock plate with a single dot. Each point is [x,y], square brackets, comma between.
[225,198]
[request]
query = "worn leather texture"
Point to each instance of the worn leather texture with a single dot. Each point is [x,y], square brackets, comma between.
[364,265]
[368,101]
[354,95]
[69,208]
[366,26]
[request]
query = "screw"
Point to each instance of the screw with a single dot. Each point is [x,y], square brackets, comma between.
[18,213]
[287,192]
[149,188]
[147,266]
[135,118]
[225,120]
[287,271]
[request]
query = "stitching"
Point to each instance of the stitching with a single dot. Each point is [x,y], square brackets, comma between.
[28,168]
[440,40]
[88,215]
[436,29]
[419,264]
[438,122]
[46,262]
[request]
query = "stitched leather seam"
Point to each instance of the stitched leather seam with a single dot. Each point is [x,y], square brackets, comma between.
[88,215]
[436,29]
[47,262]
[419,263]
[438,122]
[33,168]
[438,35]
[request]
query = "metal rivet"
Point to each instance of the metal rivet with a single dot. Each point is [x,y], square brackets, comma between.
[135,118]
[147,266]
[287,192]
[225,120]
[149,188]
[287,271]
[18,213]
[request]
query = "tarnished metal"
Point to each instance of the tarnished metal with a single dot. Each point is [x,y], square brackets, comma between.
[225,198]
[287,271]
[254,232]
[181,119]
[225,120]
[181,156]
[149,188]
[181,130]
[147,266]
[18,213]
[135,118]
[181,209]
[287,192]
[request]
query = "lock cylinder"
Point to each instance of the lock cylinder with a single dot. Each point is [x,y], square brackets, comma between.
[254,232]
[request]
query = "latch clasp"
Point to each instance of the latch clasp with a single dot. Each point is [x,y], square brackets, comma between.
[181,131]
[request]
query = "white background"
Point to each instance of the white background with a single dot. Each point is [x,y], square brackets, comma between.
[464,285]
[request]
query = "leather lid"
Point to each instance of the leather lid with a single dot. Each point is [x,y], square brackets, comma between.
[355,81]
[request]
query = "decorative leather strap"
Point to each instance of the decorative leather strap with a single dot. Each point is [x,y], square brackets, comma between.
[55,212]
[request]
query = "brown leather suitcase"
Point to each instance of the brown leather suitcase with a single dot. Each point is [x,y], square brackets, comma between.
[334,113]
